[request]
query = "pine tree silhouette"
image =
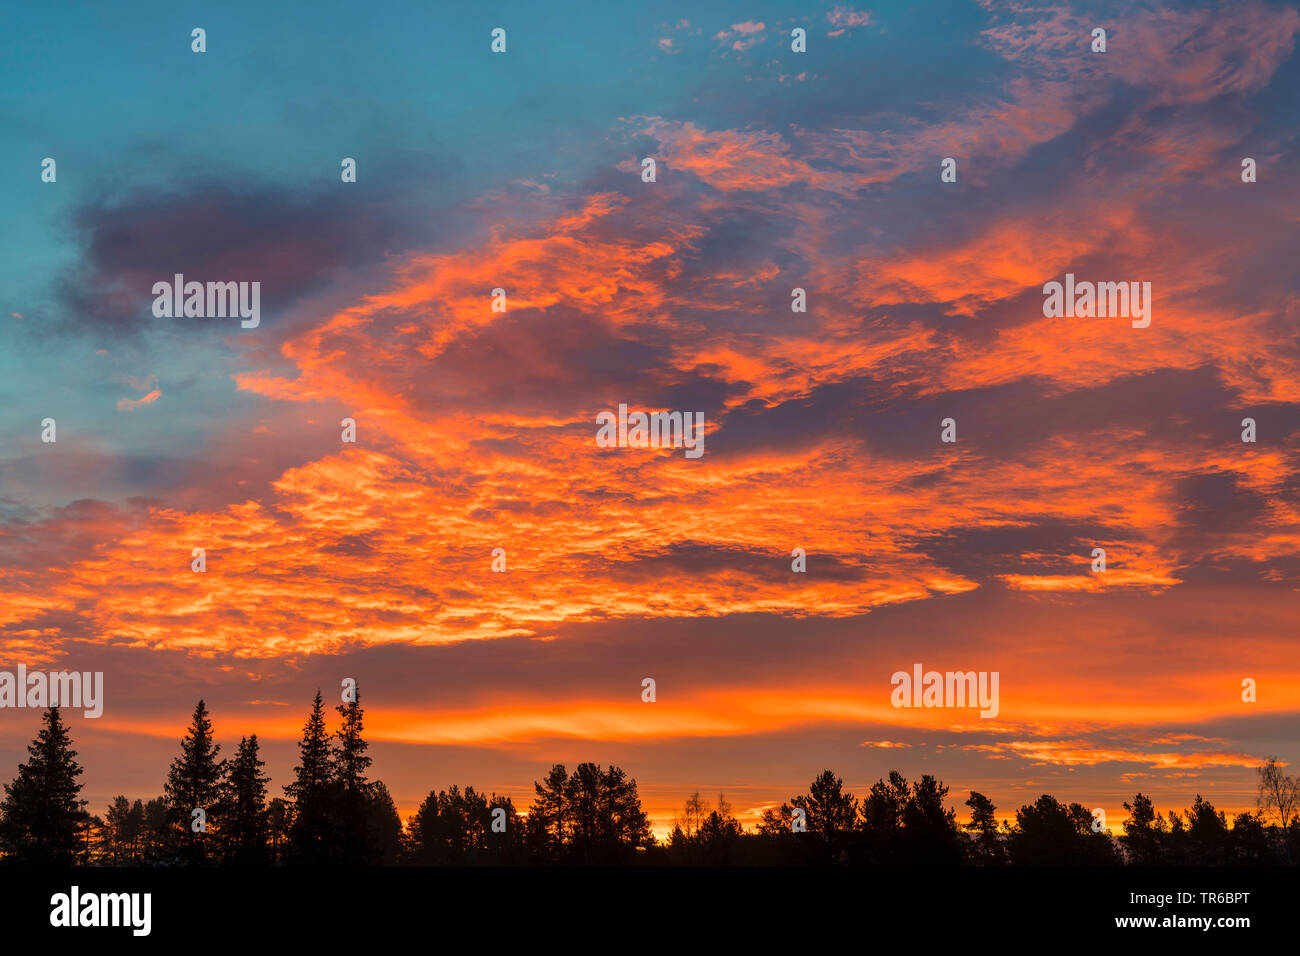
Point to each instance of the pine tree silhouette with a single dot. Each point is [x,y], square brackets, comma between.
[930,836]
[548,818]
[41,816]
[831,815]
[987,848]
[606,822]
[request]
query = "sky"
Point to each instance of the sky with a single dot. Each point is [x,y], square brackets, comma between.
[476,429]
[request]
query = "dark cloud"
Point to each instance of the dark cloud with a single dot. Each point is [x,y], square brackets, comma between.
[1043,546]
[293,242]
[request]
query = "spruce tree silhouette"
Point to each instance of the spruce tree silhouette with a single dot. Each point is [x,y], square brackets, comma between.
[243,812]
[311,795]
[194,782]
[352,808]
[41,815]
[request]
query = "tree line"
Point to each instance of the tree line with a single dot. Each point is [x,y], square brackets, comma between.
[216,811]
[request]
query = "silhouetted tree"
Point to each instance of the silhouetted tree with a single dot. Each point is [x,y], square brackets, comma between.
[774,843]
[679,848]
[607,822]
[1177,852]
[593,816]
[194,782]
[623,827]
[243,823]
[507,847]
[1145,836]
[42,814]
[311,794]
[277,826]
[1291,841]
[1248,843]
[113,837]
[930,836]
[1207,834]
[719,835]
[986,847]
[684,840]
[1048,833]
[776,821]
[353,796]
[548,815]
[91,834]
[693,813]
[156,843]
[882,818]
[122,833]
[1095,844]
[1279,794]
[447,826]
[455,827]
[583,793]
[384,825]
[830,815]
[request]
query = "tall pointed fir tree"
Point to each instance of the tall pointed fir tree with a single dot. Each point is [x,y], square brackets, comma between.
[311,794]
[243,807]
[356,840]
[194,783]
[42,816]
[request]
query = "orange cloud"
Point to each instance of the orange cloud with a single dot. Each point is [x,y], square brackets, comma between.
[131,404]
